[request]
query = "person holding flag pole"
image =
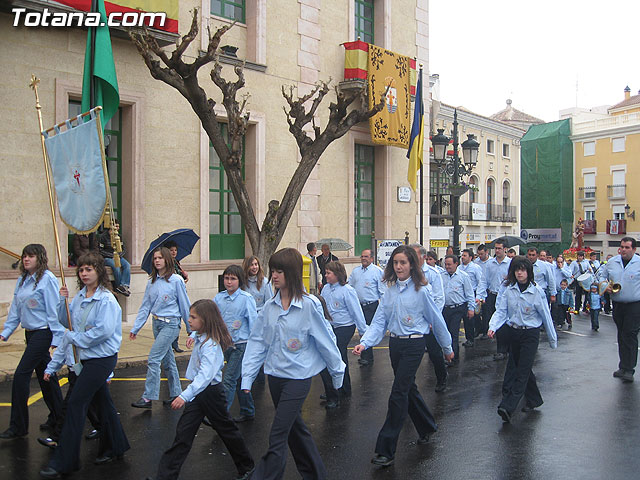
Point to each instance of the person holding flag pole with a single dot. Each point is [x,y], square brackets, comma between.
[416,149]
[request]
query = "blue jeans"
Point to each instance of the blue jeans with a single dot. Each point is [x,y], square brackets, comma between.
[162,354]
[122,275]
[230,378]
[595,313]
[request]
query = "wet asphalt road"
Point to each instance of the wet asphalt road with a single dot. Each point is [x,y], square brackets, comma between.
[588,427]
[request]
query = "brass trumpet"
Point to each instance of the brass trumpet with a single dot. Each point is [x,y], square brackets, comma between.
[615,287]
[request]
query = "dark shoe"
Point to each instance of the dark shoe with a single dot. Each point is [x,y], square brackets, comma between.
[48,442]
[178,350]
[244,418]
[423,440]
[627,377]
[142,403]
[570,326]
[50,473]
[246,475]
[323,396]
[468,343]
[506,416]
[92,435]
[499,356]
[441,386]
[121,289]
[168,401]
[106,459]
[331,404]
[382,461]
[205,421]
[9,434]
[618,373]
[364,363]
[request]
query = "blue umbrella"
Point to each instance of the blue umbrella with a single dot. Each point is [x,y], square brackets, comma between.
[185,238]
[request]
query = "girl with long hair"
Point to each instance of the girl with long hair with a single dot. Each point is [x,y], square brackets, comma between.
[96,319]
[166,299]
[295,343]
[238,310]
[345,311]
[409,313]
[35,307]
[205,396]
[521,311]
[257,283]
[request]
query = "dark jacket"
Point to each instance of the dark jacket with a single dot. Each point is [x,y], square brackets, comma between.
[322,264]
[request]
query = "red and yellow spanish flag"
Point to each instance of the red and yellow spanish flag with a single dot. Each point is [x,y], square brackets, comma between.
[416,142]
[170,7]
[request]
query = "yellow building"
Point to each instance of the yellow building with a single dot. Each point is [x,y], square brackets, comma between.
[164,173]
[606,151]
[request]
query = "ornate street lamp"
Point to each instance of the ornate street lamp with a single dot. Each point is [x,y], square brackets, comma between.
[455,169]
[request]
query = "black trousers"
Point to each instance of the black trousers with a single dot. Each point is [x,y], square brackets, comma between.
[501,341]
[560,313]
[436,356]
[343,337]
[453,317]
[35,357]
[212,403]
[93,413]
[91,382]
[471,325]
[580,292]
[288,395]
[369,311]
[405,399]
[626,316]
[519,379]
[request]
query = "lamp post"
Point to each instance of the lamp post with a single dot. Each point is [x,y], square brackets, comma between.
[455,169]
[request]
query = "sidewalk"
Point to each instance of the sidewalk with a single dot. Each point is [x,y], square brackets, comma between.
[132,352]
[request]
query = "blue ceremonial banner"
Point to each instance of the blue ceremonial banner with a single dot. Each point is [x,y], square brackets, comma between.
[76,160]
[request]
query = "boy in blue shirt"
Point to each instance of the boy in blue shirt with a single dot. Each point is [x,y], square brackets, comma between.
[595,303]
[561,308]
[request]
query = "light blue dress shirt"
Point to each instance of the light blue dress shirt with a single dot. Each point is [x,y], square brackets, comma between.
[560,274]
[166,299]
[476,274]
[102,334]
[260,295]
[238,312]
[628,277]
[407,311]
[496,273]
[524,309]
[296,343]
[544,276]
[368,283]
[435,282]
[344,307]
[35,308]
[594,301]
[458,289]
[205,366]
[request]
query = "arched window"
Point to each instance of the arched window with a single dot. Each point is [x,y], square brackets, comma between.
[491,185]
[506,194]
[473,195]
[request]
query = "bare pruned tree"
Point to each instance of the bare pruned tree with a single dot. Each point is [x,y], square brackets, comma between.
[300,112]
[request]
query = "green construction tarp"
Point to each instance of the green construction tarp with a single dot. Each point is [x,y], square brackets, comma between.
[547,181]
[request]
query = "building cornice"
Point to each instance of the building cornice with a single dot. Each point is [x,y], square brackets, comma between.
[478,121]
[597,135]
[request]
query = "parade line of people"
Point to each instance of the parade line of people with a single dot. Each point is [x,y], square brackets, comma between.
[272,325]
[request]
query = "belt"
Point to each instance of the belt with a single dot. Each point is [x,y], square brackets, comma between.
[520,327]
[455,306]
[493,293]
[36,329]
[162,319]
[364,304]
[403,337]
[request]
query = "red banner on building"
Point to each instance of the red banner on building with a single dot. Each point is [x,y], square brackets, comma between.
[616,227]
[169,7]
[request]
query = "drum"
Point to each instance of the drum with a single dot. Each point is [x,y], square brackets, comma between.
[586,280]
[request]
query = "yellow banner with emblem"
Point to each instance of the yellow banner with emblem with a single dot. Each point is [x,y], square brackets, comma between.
[392,126]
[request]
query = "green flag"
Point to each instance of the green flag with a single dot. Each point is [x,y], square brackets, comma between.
[104,71]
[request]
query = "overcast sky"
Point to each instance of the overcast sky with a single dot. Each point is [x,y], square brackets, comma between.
[534,52]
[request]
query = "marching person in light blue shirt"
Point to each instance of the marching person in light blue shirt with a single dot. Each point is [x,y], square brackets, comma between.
[580,267]
[165,298]
[35,307]
[408,312]
[460,302]
[205,396]
[96,334]
[344,309]
[295,342]
[256,281]
[366,278]
[561,271]
[478,283]
[432,260]
[238,310]
[544,276]
[522,309]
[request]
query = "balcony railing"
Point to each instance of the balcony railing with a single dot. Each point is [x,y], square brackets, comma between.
[590,227]
[494,213]
[587,193]
[616,191]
